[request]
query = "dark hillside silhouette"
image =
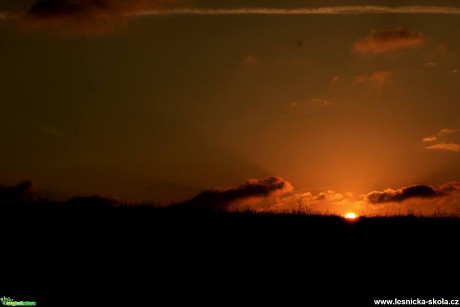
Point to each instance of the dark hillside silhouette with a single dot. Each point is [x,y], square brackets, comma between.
[93,202]
[16,194]
[92,247]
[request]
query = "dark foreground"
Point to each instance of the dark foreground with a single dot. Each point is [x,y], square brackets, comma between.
[102,256]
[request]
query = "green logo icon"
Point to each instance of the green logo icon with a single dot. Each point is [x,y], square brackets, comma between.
[8,301]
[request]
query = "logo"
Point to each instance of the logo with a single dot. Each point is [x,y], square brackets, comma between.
[8,301]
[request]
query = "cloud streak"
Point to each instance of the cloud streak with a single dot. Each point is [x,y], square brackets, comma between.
[332,10]
[377,79]
[86,8]
[388,40]
[439,134]
[445,146]
[444,137]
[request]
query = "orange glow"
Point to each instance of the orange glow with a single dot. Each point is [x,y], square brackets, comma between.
[350,216]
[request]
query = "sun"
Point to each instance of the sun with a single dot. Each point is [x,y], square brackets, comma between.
[351,216]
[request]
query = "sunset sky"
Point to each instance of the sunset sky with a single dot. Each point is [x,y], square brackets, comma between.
[340,100]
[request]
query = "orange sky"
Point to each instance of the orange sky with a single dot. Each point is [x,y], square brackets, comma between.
[167,99]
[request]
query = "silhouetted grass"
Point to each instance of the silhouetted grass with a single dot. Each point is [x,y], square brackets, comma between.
[145,255]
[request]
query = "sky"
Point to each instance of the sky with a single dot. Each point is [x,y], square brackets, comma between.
[324,105]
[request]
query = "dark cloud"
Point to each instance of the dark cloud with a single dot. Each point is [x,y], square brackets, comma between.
[19,193]
[388,40]
[414,191]
[78,14]
[240,196]
[68,8]
[85,14]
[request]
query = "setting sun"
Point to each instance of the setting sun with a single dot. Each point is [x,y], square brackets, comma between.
[350,216]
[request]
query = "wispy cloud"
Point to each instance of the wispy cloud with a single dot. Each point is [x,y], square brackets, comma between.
[377,79]
[448,131]
[445,146]
[388,40]
[430,138]
[439,134]
[104,8]
[99,16]
[332,10]
[446,138]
